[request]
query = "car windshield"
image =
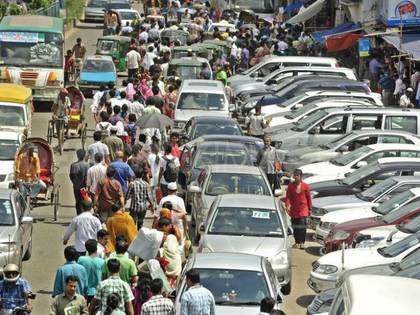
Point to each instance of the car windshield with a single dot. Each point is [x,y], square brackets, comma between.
[302,111]
[399,247]
[215,129]
[107,45]
[394,202]
[7,217]
[252,69]
[293,100]
[8,149]
[12,116]
[127,15]
[352,156]
[201,101]
[361,173]
[92,65]
[411,227]
[118,5]
[235,287]
[306,122]
[222,155]
[97,4]
[229,183]
[283,83]
[410,260]
[401,212]
[246,221]
[376,190]
[339,140]
[285,92]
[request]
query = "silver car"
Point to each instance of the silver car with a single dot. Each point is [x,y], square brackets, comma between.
[16,228]
[252,225]
[94,10]
[238,282]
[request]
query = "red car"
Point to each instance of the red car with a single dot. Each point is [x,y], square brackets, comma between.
[347,231]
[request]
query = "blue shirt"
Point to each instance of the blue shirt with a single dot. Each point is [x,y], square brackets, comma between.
[197,300]
[123,173]
[93,265]
[14,295]
[74,269]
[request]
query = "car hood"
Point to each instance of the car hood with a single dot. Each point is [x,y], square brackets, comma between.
[8,232]
[384,270]
[300,152]
[6,167]
[185,115]
[94,10]
[330,187]
[283,133]
[208,200]
[338,202]
[98,77]
[261,246]
[251,87]
[322,168]
[234,84]
[359,224]
[379,230]
[243,310]
[346,215]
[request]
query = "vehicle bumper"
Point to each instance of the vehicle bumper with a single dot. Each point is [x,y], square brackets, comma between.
[47,94]
[283,273]
[90,87]
[321,234]
[319,285]
[12,257]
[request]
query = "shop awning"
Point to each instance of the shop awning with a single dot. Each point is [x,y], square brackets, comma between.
[307,13]
[321,36]
[410,44]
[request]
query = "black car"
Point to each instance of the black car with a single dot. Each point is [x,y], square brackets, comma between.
[210,125]
[365,177]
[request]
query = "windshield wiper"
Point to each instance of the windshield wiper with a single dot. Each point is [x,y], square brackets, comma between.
[334,162]
[237,303]
[382,252]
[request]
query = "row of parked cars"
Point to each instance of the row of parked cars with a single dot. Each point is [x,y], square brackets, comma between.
[360,159]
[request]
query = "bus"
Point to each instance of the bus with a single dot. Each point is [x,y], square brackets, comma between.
[260,7]
[32,54]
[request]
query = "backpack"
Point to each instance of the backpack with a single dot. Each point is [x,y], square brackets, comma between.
[171,171]
[104,130]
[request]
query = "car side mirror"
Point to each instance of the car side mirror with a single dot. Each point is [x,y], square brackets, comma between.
[171,105]
[253,75]
[289,231]
[361,164]
[343,148]
[27,220]
[278,192]
[297,106]
[232,107]
[271,81]
[315,130]
[202,228]
[194,189]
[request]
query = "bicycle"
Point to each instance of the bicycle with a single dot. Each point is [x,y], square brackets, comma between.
[28,185]
[53,131]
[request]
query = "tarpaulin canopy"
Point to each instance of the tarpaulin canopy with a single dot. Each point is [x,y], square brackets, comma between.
[307,13]
[410,44]
[321,36]
[341,42]
[294,6]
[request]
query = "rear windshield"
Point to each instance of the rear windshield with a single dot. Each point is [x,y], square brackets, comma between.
[201,101]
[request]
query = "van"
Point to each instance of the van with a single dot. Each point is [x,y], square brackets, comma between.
[373,294]
[200,98]
[326,124]
[271,63]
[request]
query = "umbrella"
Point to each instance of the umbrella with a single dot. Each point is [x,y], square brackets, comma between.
[154,121]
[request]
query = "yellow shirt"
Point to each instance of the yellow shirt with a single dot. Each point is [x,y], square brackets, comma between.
[27,169]
[121,224]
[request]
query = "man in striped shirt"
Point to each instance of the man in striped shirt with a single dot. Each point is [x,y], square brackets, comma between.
[197,300]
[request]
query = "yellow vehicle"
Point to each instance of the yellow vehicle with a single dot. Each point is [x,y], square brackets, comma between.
[16,108]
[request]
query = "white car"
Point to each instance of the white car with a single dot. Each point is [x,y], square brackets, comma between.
[127,15]
[9,143]
[331,219]
[326,270]
[341,166]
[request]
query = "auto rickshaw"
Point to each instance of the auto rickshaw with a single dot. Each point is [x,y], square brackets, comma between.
[182,51]
[169,35]
[224,46]
[247,17]
[186,15]
[150,19]
[187,68]
[116,47]
[16,108]
[212,49]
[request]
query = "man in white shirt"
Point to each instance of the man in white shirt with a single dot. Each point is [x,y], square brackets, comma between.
[148,58]
[405,99]
[133,60]
[143,36]
[135,107]
[95,173]
[97,147]
[256,123]
[85,226]
[164,173]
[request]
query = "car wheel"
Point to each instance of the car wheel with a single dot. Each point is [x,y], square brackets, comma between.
[286,289]
[28,252]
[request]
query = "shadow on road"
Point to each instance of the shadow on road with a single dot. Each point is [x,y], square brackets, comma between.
[304,300]
[44,292]
[314,250]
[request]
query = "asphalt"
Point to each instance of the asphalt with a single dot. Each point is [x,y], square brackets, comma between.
[47,252]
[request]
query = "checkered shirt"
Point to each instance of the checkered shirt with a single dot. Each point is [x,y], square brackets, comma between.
[114,284]
[138,192]
[197,301]
[158,305]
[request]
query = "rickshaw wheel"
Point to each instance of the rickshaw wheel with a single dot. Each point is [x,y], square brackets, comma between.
[83,135]
[50,131]
[61,141]
[56,197]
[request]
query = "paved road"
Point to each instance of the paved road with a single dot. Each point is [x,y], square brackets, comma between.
[47,246]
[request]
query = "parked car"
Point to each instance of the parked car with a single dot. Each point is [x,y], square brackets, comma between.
[200,98]
[237,281]
[344,165]
[96,70]
[118,4]
[16,228]
[345,233]
[9,143]
[341,145]
[199,126]
[328,268]
[127,16]
[94,11]
[253,225]
[389,195]
[215,180]
[327,124]
[367,176]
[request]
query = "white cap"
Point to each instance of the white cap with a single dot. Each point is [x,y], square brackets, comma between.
[409,90]
[172,186]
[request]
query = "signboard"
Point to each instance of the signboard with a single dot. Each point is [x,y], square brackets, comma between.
[400,12]
[21,37]
[364,47]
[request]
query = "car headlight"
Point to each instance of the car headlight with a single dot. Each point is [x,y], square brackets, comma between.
[10,177]
[369,243]
[279,259]
[314,194]
[326,269]
[318,211]
[340,235]
[328,225]
[9,247]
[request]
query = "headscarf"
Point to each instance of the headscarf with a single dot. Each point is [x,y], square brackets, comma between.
[173,256]
[130,91]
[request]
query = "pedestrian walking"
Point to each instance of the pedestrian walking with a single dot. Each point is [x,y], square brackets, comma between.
[406,99]
[70,268]
[157,304]
[120,224]
[269,160]
[114,143]
[103,239]
[197,299]
[374,69]
[113,285]
[169,167]
[267,306]
[93,265]
[177,206]
[256,123]
[85,226]
[69,302]
[133,60]
[123,172]
[95,173]
[298,205]
[97,147]
[78,174]
[112,305]
[387,85]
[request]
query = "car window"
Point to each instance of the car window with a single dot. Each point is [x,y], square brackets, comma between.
[271,276]
[336,124]
[413,154]
[366,122]
[97,66]
[268,68]
[378,155]
[361,141]
[225,183]
[7,217]
[220,155]
[396,139]
[201,101]
[337,307]
[404,123]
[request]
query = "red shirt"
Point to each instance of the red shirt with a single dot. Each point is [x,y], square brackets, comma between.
[175,151]
[300,203]
[68,63]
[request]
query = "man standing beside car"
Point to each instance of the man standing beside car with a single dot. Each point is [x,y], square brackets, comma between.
[298,205]
[256,123]
[269,160]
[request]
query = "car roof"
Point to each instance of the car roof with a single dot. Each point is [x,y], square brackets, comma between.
[5,193]
[338,93]
[315,68]
[373,109]
[198,119]
[247,200]
[378,294]
[99,57]
[237,169]
[398,160]
[115,37]
[394,146]
[225,260]
[230,137]
[300,59]
[382,132]
[401,179]
[221,144]
[202,86]
[9,135]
